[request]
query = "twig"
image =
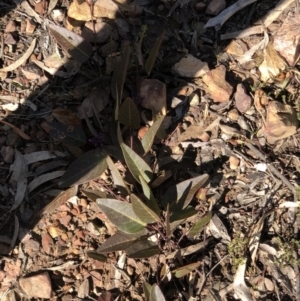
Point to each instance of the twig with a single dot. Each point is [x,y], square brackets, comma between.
[285,181]
[227,13]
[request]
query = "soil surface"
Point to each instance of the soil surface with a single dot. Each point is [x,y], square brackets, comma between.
[149,150]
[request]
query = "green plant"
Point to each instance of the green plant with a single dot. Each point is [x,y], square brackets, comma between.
[236,249]
[146,226]
[286,252]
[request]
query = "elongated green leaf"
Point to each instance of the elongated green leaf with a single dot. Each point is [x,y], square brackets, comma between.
[142,249]
[199,226]
[129,114]
[143,211]
[121,215]
[120,241]
[182,214]
[97,256]
[117,178]
[151,201]
[147,289]
[72,43]
[119,75]
[87,167]
[156,294]
[137,166]
[148,139]
[153,54]
[182,194]
[185,270]
[62,198]
[96,194]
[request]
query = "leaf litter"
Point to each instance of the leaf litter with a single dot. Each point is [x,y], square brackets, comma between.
[133,180]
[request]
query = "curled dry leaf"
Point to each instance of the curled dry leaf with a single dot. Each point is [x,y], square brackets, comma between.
[21,60]
[272,65]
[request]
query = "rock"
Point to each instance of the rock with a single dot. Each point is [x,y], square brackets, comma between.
[11,26]
[281,121]
[32,71]
[194,99]
[217,86]
[7,153]
[236,48]
[200,6]
[215,7]
[102,29]
[233,115]
[190,66]
[123,28]
[154,94]
[80,10]
[10,38]
[286,39]
[37,286]
[243,101]
[31,247]
[234,162]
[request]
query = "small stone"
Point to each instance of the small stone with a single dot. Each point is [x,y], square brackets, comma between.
[200,6]
[286,39]
[190,66]
[102,32]
[7,153]
[37,286]
[154,95]
[236,48]
[243,101]
[281,121]
[32,71]
[234,162]
[215,7]
[205,136]
[194,99]
[11,26]
[10,39]
[123,28]
[65,220]
[58,15]
[40,8]
[30,26]
[31,247]
[217,87]
[233,115]
[14,140]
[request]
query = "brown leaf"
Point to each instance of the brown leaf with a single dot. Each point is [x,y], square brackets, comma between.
[66,117]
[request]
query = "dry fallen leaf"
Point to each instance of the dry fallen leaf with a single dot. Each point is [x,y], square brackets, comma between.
[21,60]
[272,65]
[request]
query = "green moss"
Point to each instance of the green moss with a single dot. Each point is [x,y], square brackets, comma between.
[237,249]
